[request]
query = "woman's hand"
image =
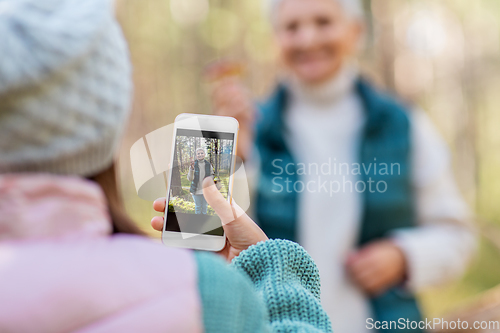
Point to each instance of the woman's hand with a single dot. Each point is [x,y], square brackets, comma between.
[231,98]
[241,231]
[377,267]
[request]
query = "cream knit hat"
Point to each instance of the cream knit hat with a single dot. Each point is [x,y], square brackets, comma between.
[65,86]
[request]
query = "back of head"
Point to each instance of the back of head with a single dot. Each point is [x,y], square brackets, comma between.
[65,91]
[65,86]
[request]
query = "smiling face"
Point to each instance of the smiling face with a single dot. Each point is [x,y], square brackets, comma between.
[200,154]
[315,37]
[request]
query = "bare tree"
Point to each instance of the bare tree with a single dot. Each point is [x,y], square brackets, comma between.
[176,187]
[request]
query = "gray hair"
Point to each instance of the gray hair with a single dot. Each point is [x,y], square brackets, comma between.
[353,8]
[203,150]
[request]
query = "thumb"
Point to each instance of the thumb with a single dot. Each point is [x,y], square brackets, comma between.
[220,205]
[240,230]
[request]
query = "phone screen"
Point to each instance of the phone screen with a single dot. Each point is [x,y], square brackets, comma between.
[198,154]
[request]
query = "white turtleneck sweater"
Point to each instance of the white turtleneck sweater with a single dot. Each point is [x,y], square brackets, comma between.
[325,126]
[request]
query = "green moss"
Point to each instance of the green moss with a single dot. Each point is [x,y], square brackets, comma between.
[181,205]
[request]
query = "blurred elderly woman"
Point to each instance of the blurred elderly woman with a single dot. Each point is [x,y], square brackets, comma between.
[70,258]
[360,179]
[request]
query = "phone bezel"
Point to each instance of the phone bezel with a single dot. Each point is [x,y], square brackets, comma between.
[206,123]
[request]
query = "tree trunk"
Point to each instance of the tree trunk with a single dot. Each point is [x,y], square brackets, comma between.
[182,166]
[176,187]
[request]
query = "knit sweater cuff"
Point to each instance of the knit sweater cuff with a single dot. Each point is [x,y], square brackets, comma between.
[288,259]
[288,279]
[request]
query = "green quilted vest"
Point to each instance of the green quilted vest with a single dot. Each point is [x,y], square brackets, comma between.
[386,139]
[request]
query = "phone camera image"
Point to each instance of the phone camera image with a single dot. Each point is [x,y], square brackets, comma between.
[197,155]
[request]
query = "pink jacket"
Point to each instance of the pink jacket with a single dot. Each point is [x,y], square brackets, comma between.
[61,271]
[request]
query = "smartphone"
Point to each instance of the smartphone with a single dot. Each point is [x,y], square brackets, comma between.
[202,146]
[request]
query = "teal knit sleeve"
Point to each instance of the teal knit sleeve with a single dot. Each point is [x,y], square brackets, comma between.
[229,303]
[270,287]
[287,278]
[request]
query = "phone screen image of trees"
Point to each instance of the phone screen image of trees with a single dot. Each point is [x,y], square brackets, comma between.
[213,150]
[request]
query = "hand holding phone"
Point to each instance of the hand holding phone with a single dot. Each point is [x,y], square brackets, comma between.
[203,147]
[240,229]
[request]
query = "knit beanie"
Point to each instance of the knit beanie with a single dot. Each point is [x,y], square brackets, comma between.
[65,86]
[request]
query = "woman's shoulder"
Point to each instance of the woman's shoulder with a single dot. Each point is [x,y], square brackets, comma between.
[120,260]
[90,279]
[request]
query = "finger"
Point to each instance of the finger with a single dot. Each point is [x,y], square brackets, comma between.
[359,265]
[217,202]
[157,223]
[367,280]
[225,83]
[220,91]
[159,204]
[363,270]
[366,275]
[231,97]
[351,258]
[362,281]
[359,262]
[375,287]
[225,250]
